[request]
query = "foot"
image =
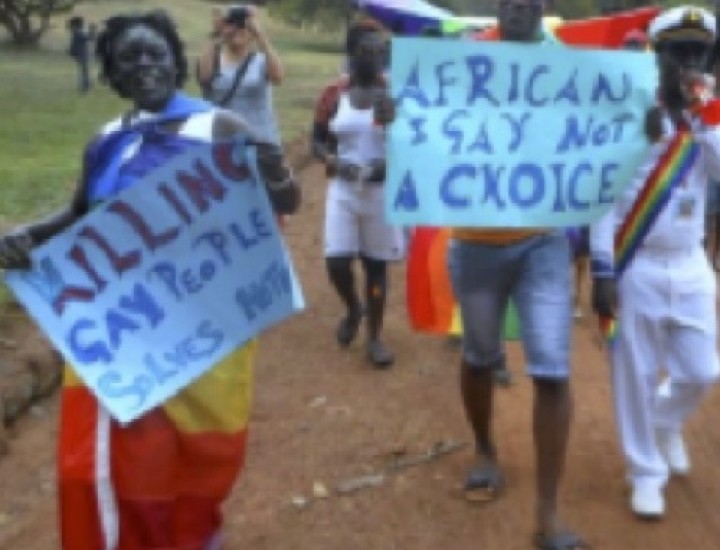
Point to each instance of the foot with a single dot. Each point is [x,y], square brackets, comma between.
[563,540]
[502,377]
[484,482]
[672,448]
[348,327]
[379,355]
[647,502]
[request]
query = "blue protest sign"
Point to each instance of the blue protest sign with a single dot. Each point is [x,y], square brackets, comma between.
[153,287]
[513,135]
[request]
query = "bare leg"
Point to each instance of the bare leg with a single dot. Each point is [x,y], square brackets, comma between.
[476,387]
[485,478]
[551,430]
[376,297]
[343,280]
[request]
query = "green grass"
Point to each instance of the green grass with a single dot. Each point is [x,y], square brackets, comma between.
[45,123]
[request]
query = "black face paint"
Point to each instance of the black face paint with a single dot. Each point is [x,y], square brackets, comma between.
[368,58]
[144,68]
[519,20]
[675,60]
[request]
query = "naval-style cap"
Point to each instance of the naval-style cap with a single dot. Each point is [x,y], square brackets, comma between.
[683,24]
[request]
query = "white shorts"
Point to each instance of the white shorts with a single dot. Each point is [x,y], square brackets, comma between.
[355,223]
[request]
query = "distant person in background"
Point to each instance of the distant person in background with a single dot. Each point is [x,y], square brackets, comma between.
[79,50]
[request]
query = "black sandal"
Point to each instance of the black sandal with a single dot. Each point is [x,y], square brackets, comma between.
[484,483]
[564,540]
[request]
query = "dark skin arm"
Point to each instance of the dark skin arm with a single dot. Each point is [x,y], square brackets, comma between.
[324,148]
[281,187]
[15,247]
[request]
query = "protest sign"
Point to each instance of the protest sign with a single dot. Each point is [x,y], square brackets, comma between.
[153,287]
[513,135]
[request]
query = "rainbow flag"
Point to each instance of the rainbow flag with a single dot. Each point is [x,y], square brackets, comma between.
[414,17]
[671,169]
[431,304]
[160,481]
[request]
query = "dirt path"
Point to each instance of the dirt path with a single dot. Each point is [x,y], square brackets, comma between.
[322,415]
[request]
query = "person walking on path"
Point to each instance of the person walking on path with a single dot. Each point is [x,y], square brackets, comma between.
[662,289]
[349,138]
[159,481]
[532,266]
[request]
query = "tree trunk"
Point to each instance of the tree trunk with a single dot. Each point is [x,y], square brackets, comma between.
[26,21]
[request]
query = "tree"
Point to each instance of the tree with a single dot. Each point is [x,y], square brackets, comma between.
[27,20]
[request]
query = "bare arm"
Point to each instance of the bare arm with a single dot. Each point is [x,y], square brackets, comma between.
[205,67]
[275,70]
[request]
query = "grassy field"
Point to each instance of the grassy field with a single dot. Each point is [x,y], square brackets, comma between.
[45,123]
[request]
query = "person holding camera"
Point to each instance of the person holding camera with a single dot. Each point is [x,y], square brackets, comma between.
[240,71]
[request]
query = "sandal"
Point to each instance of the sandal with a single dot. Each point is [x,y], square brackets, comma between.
[484,483]
[348,328]
[564,540]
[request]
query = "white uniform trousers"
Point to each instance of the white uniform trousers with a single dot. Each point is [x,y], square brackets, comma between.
[667,322]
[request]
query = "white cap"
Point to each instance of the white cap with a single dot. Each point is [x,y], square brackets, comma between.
[683,23]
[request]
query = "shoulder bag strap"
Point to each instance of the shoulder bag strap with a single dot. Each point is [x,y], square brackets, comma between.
[239,74]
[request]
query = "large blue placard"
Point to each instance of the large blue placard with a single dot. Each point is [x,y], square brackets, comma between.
[153,287]
[513,135]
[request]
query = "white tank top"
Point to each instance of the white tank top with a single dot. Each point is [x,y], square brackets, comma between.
[359,140]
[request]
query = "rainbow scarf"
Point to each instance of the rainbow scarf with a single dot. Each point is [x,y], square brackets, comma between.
[671,169]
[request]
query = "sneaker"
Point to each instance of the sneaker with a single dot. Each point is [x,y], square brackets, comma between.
[647,502]
[578,313]
[672,448]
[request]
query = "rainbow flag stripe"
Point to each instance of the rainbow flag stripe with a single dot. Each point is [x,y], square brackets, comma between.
[609,329]
[670,171]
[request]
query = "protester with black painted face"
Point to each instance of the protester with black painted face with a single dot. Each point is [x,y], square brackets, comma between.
[661,289]
[349,138]
[159,481]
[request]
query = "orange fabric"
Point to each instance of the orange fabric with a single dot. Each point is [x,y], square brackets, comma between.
[495,236]
[170,470]
[77,502]
[430,297]
[710,113]
[605,31]
[442,294]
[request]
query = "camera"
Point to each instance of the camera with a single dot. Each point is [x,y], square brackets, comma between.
[236,16]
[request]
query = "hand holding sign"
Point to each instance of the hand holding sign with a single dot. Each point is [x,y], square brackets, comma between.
[148,291]
[15,250]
